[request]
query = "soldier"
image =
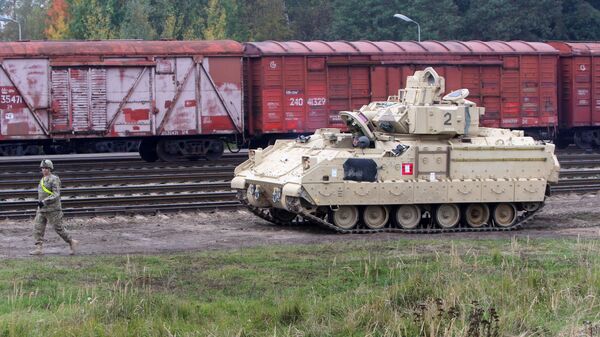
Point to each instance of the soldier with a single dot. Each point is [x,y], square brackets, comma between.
[49,209]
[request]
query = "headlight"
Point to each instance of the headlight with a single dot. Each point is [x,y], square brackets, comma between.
[276,195]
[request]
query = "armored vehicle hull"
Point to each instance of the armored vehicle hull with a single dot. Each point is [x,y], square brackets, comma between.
[416,164]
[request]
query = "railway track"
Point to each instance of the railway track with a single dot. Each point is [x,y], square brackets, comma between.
[124,184]
[121,184]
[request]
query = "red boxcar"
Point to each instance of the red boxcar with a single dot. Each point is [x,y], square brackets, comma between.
[296,87]
[579,92]
[122,89]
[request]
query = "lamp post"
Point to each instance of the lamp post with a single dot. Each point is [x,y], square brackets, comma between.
[407,19]
[8,19]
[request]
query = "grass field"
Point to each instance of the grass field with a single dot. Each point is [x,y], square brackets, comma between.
[515,287]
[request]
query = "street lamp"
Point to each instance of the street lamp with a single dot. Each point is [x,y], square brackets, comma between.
[8,19]
[407,19]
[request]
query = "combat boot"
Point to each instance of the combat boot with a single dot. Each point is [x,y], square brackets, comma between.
[37,250]
[73,246]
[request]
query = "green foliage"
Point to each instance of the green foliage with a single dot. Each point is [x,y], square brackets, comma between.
[255,20]
[91,20]
[396,288]
[581,20]
[511,20]
[309,19]
[216,21]
[265,20]
[438,20]
[136,23]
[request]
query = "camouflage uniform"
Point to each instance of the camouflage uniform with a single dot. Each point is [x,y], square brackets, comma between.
[51,213]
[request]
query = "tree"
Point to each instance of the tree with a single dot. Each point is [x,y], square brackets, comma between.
[216,21]
[91,20]
[511,20]
[581,20]
[265,20]
[163,17]
[31,14]
[438,20]
[136,24]
[309,18]
[57,20]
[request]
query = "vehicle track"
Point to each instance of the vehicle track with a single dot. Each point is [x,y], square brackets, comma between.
[124,184]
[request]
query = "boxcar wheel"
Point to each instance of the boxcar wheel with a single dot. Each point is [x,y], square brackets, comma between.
[147,151]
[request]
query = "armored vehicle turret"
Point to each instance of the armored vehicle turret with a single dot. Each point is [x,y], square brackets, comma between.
[418,162]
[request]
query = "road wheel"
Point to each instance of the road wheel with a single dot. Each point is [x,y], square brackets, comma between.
[477,215]
[376,217]
[531,206]
[408,216]
[345,217]
[505,214]
[447,215]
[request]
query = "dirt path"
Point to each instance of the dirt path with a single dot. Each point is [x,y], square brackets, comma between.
[563,216]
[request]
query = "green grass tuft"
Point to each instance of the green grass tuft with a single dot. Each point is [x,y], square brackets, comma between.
[482,288]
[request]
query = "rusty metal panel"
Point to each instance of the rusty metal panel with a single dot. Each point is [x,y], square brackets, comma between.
[61,93]
[16,119]
[176,100]
[452,77]
[359,87]
[510,114]
[294,89]
[529,72]
[579,94]
[221,95]
[581,91]
[30,77]
[78,100]
[339,94]
[98,99]
[595,89]
[269,48]
[515,80]
[548,91]
[316,97]
[128,101]
[80,107]
[120,88]
[564,94]
[74,49]
[379,83]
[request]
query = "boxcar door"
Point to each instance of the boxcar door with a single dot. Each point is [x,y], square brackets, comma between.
[78,100]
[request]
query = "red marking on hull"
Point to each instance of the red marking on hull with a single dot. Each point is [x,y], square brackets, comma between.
[135,115]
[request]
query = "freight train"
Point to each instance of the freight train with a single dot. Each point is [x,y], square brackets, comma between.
[190,99]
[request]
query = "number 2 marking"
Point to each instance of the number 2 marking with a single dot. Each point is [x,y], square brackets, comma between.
[448,117]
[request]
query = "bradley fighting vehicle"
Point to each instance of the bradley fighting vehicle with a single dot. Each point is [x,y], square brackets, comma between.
[418,162]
